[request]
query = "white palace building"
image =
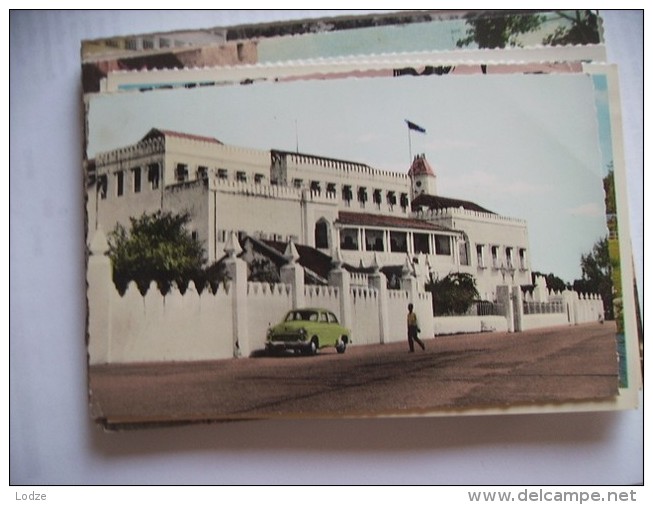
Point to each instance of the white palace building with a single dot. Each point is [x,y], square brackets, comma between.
[323,203]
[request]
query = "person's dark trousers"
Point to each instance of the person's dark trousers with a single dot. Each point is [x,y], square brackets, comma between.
[412,337]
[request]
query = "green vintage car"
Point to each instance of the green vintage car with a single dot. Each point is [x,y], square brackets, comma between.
[306,331]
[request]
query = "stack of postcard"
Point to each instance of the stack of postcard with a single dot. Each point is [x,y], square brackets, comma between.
[401,214]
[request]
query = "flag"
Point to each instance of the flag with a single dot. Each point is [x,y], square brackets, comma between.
[413,126]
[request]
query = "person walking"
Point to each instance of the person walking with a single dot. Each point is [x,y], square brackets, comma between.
[413,329]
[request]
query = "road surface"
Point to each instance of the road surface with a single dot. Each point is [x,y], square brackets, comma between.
[461,371]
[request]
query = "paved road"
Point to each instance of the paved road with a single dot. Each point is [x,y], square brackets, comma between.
[461,371]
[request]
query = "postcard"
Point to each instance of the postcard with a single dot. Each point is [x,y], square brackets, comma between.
[357,246]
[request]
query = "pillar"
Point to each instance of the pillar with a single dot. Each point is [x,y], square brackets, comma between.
[237,271]
[340,278]
[504,297]
[379,282]
[518,307]
[293,274]
[99,293]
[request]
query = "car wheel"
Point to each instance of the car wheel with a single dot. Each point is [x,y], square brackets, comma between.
[341,346]
[313,346]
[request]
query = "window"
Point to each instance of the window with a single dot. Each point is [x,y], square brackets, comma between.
[376,198]
[331,188]
[349,239]
[480,255]
[298,183]
[131,44]
[223,174]
[463,251]
[398,242]
[163,42]
[362,195]
[421,243]
[241,176]
[148,44]
[404,201]
[321,235]
[258,178]
[332,318]
[443,245]
[120,183]
[495,256]
[136,179]
[509,262]
[194,235]
[391,198]
[522,259]
[203,173]
[374,240]
[315,187]
[347,194]
[181,172]
[153,175]
[102,183]
[323,317]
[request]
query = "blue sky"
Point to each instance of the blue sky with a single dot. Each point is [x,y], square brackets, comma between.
[522,146]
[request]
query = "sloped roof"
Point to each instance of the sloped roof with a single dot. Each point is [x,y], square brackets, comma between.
[156,132]
[310,258]
[381,221]
[420,166]
[441,202]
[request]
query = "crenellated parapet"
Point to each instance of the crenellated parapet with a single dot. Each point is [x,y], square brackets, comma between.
[454,212]
[149,147]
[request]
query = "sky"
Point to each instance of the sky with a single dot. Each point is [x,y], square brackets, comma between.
[525,146]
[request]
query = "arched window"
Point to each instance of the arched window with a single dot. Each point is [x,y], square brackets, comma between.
[321,234]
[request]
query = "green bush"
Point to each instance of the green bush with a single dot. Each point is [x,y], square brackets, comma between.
[453,294]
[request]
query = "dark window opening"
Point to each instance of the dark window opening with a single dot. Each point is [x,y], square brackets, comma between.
[404,201]
[315,187]
[421,243]
[202,173]
[377,198]
[102,184]
[349,239]
[321,235]
[374,240]
[181,173]
[463,250]
[120,183]
[495,256]
[137,180]
[241,176]
[443,245]
[153,175]
[222,173]
[398,242]
[258,178]
[331,188]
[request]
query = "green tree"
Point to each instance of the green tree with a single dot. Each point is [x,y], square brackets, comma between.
[596,278]
[499,30]
[263,270]
[453,294]
[157,247]
[553,282]
[583,29]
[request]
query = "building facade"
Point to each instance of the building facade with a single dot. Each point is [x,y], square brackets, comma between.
[328,204]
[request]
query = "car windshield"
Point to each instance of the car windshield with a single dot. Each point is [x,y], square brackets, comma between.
[302,315]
